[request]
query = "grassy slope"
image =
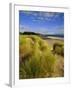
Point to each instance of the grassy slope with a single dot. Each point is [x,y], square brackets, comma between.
[59,64]
[36,58]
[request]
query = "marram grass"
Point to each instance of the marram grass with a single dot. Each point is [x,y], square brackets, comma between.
[36,58]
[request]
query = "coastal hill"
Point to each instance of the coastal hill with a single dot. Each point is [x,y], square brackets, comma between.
[42,35]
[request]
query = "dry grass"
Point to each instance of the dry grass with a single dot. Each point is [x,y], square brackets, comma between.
[37,59]
[59,64]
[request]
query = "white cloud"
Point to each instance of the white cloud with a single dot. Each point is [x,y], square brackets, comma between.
[24,28]
[38,15]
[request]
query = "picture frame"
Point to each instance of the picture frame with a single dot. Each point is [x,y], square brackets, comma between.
[14,46]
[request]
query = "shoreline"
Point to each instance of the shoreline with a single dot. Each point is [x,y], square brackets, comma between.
[55,38]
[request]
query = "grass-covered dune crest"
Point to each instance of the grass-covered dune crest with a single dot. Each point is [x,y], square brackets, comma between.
[36,58]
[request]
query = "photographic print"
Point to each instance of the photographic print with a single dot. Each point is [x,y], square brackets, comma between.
[41,44]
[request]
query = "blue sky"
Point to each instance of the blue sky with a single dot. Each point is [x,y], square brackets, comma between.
[41,22]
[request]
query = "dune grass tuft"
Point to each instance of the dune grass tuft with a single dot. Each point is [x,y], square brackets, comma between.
[36,58]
